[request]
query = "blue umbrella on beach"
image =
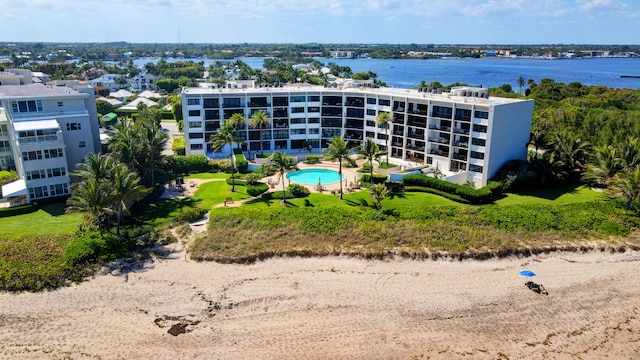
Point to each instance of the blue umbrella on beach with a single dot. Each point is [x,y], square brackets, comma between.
[527,273]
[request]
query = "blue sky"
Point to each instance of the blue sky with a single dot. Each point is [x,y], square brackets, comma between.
[323,21]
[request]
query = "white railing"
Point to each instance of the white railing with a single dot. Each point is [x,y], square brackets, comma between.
[48,114]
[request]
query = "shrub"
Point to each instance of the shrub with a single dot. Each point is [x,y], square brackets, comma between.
[241,163]
[186,164]
[92,247]
[394,186]
[377,179]
[297,190]
[267,169]
[191,215]
[236,181]
[483,195]
[312,159]
[178,146]
[253,178]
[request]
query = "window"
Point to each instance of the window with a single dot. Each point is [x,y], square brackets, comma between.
[280,101]
[297,110]
[60,103]
[370,134]
[313,98]
[5,146]
[211,103]
[211,114]
[313,121]
[371,101]
[298,131]
[3,129]
[479,128]
[463,114]
[298,121]
[481,114]
[32,155]
[370,123]
[442,112]
[195,124]
[74,126]
[52,153]
[82,144]
[38,192]
[475,168]
[231,102]
[479,142]
[314,131]
[196,136]
[35,175]
[300,98]
[371,112]
[59,189]
[314,109]
[194,112]
[384,102]
[56,172]
[196,146]
[26,106]
[193,101]
[477,155]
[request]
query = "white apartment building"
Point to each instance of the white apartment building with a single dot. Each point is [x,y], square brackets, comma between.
[464,134]
[45,131]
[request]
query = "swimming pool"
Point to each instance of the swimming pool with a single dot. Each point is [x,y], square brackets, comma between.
[315,176]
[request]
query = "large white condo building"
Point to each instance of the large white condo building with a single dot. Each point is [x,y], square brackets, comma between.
[464,133]
[45,131]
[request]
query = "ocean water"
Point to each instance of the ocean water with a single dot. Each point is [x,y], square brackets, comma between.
[488,72]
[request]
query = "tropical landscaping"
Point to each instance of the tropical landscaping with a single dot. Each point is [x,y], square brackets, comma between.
[578,190]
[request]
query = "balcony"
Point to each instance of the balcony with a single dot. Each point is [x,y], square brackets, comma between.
[416,135]
[40,138]
[459,156]
[461,144]
[337,112]
[278,113]
[354,124]
[440,140]
[461,131]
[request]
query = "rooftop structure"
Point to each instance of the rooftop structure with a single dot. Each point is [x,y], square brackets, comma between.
[464,133]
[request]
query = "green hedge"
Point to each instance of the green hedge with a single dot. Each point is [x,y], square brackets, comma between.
[312,159]
[483,195]
[18,210]
[191,215]
[180,164]
[377,179]
[453,197]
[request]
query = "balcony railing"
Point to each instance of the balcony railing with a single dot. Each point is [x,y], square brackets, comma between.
[461,131]
[47,115]
[39,139]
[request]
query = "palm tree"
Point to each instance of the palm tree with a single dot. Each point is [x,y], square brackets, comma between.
[125,143]
[630,152]
[369,150]
[604,166]
[260,119]
[238,121]
[337,149]
[570,152]
[384,119]
[282,164]
[226,136]
[153,142]
[626,185]
[520,82]
[95,166]
[538,141]
[94,197]
[126,187]
[378,192]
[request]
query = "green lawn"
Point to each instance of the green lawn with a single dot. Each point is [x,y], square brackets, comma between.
[562,195]
[49,220]
[400,202]
[208,176]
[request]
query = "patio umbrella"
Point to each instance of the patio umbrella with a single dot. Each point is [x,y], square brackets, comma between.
[527,273]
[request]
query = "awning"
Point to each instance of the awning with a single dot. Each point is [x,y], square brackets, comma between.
[13,189]
[35,125]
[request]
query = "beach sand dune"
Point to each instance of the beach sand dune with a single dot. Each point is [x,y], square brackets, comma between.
[328,308]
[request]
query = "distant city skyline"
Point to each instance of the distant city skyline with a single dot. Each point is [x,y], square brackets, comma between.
[598,22]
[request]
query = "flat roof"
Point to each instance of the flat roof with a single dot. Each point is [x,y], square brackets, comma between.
[32,90]
[382,91]
[35,125]
[16,188]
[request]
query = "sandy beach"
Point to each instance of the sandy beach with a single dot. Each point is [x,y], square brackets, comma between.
[331,308]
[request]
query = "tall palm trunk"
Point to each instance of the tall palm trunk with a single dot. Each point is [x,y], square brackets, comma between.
[233,182]
[340,176]
[261,150]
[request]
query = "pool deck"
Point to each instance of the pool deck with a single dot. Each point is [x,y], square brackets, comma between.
[350,178]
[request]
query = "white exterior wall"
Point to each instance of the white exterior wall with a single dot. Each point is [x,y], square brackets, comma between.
[507,126]
[76,117]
